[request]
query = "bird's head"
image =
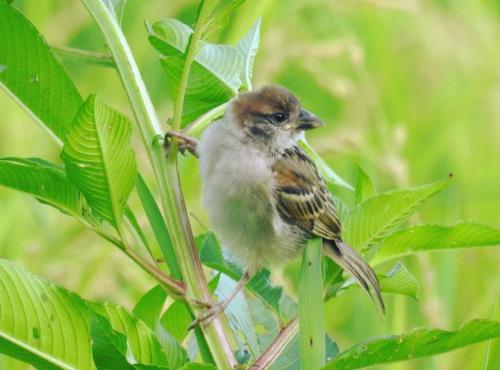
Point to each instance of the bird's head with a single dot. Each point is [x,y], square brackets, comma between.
[270,114]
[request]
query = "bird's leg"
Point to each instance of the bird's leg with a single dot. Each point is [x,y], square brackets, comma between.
[185,142]
[221,306]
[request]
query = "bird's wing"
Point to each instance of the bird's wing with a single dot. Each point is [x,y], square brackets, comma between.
[302,198]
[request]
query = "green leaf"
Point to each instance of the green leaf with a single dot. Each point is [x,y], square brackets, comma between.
[158,225]
[99,159]
[41,323]
[260,284]
[220,16]
[143,345]
[428,238]
[239,316]
[109,347]
[33,76]
[215,73]
[139,232]
[364,188]
[149,307]
[45,181]
[399,280]
[176,320]
[49,327]
[248,47]
[369,222]
[267,328]
[418,343]
[211,255]
[332,278]
[176,354]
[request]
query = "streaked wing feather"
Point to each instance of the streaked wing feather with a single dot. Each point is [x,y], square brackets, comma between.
[302,197]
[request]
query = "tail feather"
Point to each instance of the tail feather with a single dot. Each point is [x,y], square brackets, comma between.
[347,258]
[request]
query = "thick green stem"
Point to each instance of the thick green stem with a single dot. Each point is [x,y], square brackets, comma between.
[311,309]
[166,175]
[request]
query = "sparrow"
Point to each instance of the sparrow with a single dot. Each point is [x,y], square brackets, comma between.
[264,196]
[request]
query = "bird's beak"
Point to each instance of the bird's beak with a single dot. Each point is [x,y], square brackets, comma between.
[307,121]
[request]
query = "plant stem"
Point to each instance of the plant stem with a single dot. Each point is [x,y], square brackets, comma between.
[85,56]
[174,287]
[196,127]
[311,309]
[277,346]
[166,175]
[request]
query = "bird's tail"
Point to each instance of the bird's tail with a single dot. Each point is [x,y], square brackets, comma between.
[347,258]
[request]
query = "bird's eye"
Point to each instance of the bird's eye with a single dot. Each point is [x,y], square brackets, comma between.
[279,117]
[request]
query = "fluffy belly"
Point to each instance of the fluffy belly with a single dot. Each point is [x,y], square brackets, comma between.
[249,227]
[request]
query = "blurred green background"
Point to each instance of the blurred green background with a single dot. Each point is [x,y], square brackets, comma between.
[410,91]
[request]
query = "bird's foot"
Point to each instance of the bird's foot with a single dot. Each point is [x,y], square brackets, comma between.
[210,314]
[216,309]
[186,143]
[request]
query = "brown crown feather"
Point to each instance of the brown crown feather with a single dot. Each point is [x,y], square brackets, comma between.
[264,101]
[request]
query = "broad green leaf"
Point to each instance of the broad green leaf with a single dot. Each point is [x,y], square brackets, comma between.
[33,76]
[418,343]
[215,73]
[99,159]
[220,16]
[176,354]
[143,345]
[45,181]
[248,47]
[260,284]
[176,320]
[149,307]
[49,327]
[211,255]
[378,216]
[332,278]
[397,281]
[239,316]
[41,323]
[428,238]
[109,347]
[364,188]
[158,225]
[267,328]
[340,206]
[325,171]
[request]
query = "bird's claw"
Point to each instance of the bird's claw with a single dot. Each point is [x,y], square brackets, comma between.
[186,143]
[209,315]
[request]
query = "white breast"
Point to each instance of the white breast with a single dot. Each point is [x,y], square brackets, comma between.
[238,188]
